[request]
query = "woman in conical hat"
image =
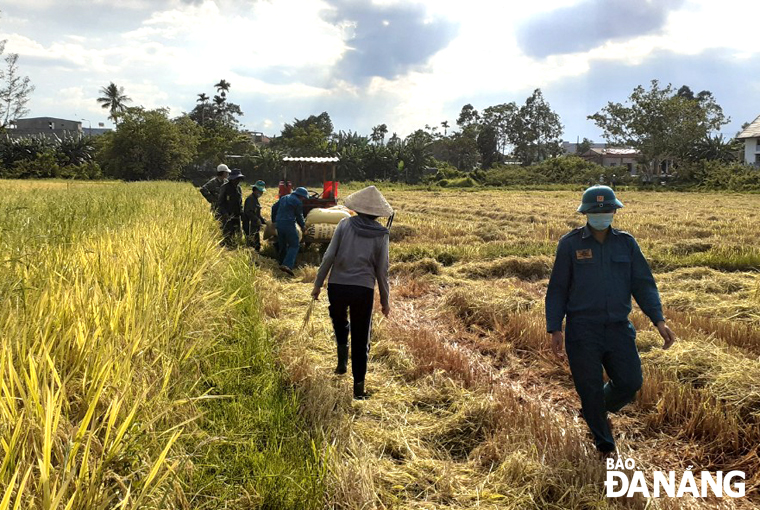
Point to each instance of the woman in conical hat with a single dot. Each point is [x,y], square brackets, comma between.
[356,258]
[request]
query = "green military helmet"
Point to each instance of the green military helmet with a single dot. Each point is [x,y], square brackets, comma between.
[599,199]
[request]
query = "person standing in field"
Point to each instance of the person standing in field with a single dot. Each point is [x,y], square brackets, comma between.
[285,214]
[230,207]
[596,271]
[210,190]
[356,258]
[252,218]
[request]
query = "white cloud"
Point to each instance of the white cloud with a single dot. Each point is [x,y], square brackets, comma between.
[286,33]
[73,103]
[283,54]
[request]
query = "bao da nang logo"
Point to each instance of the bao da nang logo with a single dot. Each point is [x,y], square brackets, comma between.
[620,483]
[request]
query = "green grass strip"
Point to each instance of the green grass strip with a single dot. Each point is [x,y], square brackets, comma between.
[256,452]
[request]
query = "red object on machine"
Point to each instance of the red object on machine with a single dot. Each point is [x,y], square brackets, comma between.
[285,188]
[330,189]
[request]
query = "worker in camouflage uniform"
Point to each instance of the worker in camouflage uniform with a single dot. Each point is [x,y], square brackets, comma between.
[596,271]
[252,218]
[230,207]
[210,190]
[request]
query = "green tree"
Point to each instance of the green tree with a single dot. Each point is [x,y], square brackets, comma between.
[267,164]
[322,122]
[535,130]
[114,100]
[414,156]
[445,126]
[661,123]
[500,117]
[716,148]
[460,149]
[217,140]
[488,146]
[306,137]
[378,133]
[203,100]
[148,145]
[15,90]
[584,146]
[221,114]
[468,115]
[222,87]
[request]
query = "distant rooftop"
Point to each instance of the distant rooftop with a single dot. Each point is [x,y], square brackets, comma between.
[572,147]
[752,131]
[333,159]
[615,151]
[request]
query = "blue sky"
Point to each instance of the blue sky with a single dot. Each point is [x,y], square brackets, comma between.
[403,63]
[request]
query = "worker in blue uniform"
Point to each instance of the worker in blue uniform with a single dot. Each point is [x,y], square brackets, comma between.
[596,271]
[286,213]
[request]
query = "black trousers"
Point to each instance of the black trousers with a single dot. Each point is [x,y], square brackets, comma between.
[230,230]
[354,302]
[251,229]
[612,347]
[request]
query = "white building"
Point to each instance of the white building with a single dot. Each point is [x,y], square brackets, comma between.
[751,137]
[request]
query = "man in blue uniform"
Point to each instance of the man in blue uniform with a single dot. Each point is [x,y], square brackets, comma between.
[596,271]
[285,214]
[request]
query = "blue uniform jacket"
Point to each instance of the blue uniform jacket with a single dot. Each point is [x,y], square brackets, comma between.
[289,209]
[594,282]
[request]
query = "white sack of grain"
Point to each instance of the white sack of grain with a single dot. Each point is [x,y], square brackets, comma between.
[331,216]
[270,230]
[320,231]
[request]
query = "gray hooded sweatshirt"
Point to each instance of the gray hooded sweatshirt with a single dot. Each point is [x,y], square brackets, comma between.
[357,255]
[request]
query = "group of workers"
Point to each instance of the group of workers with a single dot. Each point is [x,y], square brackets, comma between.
[225,195]
[597,270]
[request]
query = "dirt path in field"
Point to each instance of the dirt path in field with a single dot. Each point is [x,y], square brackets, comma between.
[455,419]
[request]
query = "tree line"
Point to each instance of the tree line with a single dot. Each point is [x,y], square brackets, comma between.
[662,123]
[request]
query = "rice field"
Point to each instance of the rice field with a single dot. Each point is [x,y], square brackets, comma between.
[470,408]
[134,368]
[142,366]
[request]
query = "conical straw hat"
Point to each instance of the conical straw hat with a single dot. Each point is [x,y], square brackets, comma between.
[369,201]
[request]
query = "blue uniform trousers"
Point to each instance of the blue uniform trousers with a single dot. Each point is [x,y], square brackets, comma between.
[591,347]
[287,242]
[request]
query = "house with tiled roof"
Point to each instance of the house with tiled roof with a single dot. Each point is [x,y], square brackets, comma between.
[614,156]
[751,138]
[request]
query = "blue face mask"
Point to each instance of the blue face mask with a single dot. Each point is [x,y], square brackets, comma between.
[600,221]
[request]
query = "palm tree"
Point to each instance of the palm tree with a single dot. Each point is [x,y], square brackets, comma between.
[203,100]
[113,99]
[382,130]
[223,87]
[716,148]
[445,126]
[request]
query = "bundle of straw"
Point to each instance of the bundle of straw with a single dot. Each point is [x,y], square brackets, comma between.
[307,317]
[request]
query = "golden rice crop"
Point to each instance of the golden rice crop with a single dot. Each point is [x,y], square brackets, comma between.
[114,299]
[101,320]
[470,409]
